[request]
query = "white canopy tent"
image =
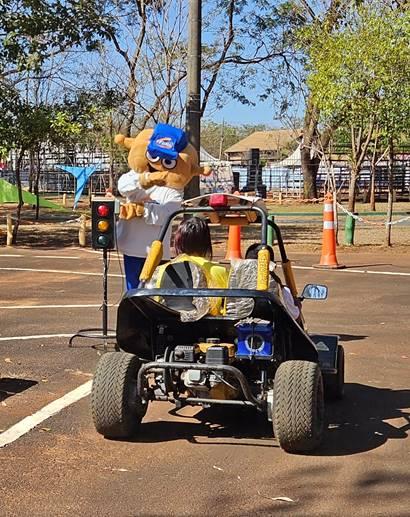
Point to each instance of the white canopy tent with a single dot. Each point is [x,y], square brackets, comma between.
[221,178]
[294,160]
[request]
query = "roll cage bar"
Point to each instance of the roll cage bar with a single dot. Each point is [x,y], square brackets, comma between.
[265,222]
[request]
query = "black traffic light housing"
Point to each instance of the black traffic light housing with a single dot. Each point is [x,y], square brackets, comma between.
[103,223]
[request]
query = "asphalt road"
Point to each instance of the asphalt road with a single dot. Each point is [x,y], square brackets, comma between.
[201,462]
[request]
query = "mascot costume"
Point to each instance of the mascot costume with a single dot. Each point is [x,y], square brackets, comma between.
[162,163]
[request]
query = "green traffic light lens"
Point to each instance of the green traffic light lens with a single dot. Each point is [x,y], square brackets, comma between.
[102,240]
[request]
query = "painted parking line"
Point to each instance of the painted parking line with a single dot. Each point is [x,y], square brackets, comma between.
[28,423]
[38,336]
[59,271]
[68,306]
[40,256]
[347,270]
[56,257]
[117,275]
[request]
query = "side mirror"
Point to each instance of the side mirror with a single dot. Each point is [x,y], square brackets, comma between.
[314,292]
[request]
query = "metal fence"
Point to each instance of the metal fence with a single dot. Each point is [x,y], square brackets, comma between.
[287,180]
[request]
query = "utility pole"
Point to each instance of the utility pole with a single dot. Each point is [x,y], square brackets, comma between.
[193,106]
[221,140]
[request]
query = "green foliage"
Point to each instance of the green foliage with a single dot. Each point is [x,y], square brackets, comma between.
[360,73]
[213,134]
[32,30]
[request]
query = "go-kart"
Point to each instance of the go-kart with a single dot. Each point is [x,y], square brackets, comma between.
[254,354]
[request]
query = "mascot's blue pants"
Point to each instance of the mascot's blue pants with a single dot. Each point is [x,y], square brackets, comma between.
[132,269]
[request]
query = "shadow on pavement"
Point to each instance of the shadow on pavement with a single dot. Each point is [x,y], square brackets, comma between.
[356,424]
[350,266]
[212,424]
[359,422]
[351,337]
[13,386]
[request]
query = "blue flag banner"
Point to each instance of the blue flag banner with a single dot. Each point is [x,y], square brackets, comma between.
[81,174]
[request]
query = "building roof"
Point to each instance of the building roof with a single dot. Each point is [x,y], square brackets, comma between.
[265,140]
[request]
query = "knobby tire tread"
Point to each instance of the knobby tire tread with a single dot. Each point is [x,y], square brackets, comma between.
[113,415]
[297,391]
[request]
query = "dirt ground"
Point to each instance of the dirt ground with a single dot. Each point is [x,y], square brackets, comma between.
[300,232]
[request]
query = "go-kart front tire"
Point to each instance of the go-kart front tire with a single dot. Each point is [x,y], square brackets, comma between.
[116,409]
[298,412]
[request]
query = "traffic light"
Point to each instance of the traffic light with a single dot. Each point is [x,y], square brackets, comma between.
[103,223]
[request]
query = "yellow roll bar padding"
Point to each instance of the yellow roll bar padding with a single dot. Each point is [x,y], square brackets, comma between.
[151,262]
[289,277]
[263,270]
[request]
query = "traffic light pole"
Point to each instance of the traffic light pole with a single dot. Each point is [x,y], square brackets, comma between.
[105,334]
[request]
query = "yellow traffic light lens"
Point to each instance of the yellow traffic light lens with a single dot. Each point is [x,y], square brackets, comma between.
[103,226]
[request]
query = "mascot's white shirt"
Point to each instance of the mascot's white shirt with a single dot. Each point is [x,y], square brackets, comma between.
[135,236]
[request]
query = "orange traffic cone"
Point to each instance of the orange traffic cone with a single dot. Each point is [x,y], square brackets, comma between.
[234,243]
[328,259]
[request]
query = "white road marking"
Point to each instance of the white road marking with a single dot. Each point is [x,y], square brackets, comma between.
[61,272]
[41,256]
[89,251]
[83,305]
[347,270]
[28,423]
[55,257]
[38,336]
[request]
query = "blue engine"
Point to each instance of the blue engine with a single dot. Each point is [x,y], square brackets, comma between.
[254,340]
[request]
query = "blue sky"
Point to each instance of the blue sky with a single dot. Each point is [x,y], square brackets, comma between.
[236,113]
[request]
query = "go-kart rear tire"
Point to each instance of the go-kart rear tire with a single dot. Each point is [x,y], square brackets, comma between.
[298,412]
[116,409]
[334,384]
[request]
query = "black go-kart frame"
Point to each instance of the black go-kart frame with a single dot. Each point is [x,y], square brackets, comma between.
[152,364]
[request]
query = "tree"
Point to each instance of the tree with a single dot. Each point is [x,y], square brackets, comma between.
[32,34]
[358,78]
[145,57]
[216,137]
[298,25]
[31,31]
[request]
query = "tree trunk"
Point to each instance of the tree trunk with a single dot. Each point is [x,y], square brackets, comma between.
[354,174]
[31,174]
[310,167]
[131,93]
[37,180]
[373,187]
[309,161]
[390,196]
[20,196]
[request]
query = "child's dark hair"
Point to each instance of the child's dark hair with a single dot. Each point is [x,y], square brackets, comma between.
[193,238]
[252,251]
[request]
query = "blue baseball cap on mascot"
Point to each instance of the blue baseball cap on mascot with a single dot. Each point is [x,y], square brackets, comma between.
[166,142]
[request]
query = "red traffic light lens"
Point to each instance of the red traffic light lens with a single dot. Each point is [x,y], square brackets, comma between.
[103,210]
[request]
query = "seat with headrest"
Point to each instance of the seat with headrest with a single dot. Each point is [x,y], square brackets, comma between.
[182,275]
[244,275]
